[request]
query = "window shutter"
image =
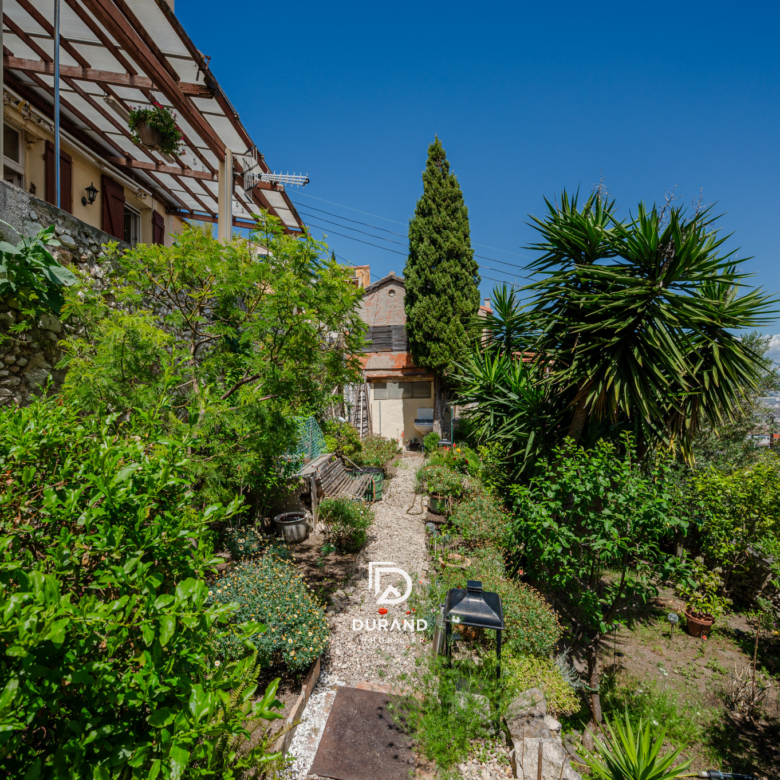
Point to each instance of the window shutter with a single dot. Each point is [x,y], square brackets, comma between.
[158,228]
[113,208]
[66,178]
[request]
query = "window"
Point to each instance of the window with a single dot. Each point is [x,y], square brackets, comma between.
[132,225]
[13,160]
[385,391]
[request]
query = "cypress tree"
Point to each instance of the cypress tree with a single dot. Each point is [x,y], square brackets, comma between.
[441,276]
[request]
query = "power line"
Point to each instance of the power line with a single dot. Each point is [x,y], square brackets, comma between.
[356,221]
[347,227]
[405,254]
[395,221]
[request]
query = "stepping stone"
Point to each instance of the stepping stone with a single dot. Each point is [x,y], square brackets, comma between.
[362,740]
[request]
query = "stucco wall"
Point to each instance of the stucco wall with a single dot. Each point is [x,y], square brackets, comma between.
[385,305]
[394,417]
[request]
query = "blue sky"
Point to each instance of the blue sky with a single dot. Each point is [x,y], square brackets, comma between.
[527,99]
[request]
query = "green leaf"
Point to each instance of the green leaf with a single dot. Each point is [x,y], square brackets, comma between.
[161,717]
[167,627]
[179,760]
[9,693]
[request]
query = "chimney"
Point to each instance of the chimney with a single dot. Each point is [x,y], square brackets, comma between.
[487,303]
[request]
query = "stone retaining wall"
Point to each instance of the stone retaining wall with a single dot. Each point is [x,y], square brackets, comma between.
[28,359]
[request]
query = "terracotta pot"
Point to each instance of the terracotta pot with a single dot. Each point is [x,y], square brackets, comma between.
[699,626]
[149,136]
[455,561]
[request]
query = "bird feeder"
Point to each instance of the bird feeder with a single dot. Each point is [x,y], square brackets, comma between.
[473,608]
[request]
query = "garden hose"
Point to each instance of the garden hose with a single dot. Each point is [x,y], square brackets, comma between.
[422,510]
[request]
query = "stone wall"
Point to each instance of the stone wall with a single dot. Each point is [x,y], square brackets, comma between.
[29,359]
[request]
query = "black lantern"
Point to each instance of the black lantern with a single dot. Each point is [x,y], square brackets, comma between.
[473,608]
[91,195]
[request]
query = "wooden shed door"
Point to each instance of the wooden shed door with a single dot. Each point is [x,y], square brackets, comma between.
[66,178]
[158,228]
[113,208]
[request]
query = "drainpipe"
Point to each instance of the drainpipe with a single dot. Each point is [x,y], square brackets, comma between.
[2,81]
[57,103]
[225,197]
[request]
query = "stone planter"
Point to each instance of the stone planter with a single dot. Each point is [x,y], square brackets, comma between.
[699,627]
[148,135]
[292,527]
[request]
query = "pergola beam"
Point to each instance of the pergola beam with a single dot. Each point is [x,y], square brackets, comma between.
[242,223]
[173,170]
[98,76]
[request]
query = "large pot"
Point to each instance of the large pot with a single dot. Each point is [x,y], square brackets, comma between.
[699,626]
[292,526]
[148,135]
[439,505]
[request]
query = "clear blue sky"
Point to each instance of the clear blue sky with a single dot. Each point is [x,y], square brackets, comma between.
[526,99]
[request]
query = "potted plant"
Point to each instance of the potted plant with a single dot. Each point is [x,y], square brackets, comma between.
[444,486]
[155,127]
[701,593]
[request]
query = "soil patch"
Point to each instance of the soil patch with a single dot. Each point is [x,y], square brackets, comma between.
[323,573]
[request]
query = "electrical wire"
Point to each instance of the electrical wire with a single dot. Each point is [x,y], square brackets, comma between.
[392,232]
[396,222]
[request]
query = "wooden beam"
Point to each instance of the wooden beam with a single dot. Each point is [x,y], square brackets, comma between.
[173,170]
[210,218]
[98,76]
[129,35]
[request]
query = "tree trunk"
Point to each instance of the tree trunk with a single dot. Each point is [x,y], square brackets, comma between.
[438,412]
[578,422]
[593,682]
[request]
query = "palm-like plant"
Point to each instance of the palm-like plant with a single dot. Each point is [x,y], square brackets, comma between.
[632,323]
[634,756]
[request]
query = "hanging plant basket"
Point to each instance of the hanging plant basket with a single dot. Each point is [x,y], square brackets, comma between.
[150,137]
[155,128]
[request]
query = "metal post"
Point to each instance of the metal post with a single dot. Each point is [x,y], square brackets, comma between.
[498,653]
[57,102]
[2,93]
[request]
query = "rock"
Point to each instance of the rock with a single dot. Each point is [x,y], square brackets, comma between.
[50,322]
[555,761]
[526,716]
[37,376]
[33,216]
[8,359]
[21,361]
[553,725]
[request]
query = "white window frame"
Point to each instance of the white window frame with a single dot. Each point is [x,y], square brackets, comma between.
[135,224]
[16,167]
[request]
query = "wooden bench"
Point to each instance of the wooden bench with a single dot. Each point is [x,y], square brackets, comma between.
[336,482]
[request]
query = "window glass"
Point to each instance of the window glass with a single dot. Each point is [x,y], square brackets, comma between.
[421,389]
[384,391]
[12,147]
[132,226]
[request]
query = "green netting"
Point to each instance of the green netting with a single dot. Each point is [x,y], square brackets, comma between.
[311,442]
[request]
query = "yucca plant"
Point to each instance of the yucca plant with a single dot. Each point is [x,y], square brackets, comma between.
[634,755]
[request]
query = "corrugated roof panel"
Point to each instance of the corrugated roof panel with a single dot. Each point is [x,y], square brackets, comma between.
[226,132]
[276,199]
[99,58]
[158,26]
[186,68]
[90,87]
[18,47]
[135,96]
[18,15]
[70,24]
[287,217]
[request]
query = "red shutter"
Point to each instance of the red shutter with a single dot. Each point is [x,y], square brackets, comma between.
[113,208]
[66,178]
[158,228]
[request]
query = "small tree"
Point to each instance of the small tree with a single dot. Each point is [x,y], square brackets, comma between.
[591,530]
[441,276]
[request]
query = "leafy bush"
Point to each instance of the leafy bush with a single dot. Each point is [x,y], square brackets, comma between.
[331,445]
[247,542]
[543,673]
[701,591]
[481,522]
[377,451]
[347,521]
[29,272]
[462,459]
[107,632]
[440,480]
[272,591]
[532,627]
[346,438]
[431,441]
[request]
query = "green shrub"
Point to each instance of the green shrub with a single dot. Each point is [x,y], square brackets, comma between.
[534,672]
[346,437]
[440,480]
[245,541]
[494,467]
[347,521]
[431,441]
[271,590]
[377,451]
[108,666]
[532,627]
[481,522]
[331,445]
